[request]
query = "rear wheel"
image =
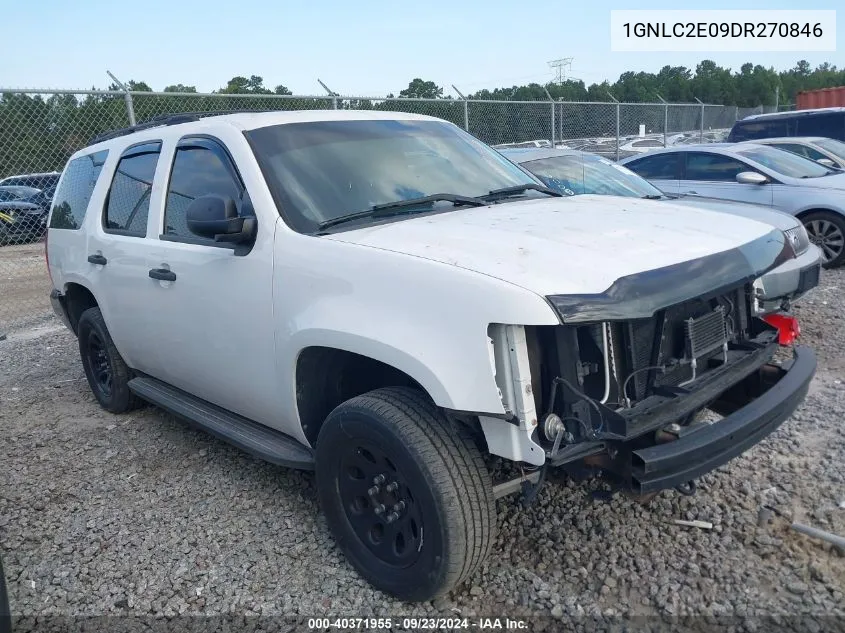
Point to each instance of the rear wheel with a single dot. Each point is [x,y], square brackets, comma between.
[406,495]
[827,231]
[107,373]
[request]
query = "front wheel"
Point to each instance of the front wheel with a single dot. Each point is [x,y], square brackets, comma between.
[406,495]
[827,231]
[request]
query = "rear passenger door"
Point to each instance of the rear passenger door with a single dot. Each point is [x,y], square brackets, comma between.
[662,170]
[214,321]
[714,175]
[116,254]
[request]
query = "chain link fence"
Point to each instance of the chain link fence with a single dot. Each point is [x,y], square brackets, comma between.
[40,129]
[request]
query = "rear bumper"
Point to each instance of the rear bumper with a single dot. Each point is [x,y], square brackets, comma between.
[59,303]
[791,280]
[754,408]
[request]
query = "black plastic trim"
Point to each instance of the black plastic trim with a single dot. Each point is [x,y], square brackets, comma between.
[668,465]
[59,303]
[257,439]
[640,295]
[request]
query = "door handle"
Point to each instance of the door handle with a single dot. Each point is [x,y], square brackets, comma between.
[97,259]
[163,274]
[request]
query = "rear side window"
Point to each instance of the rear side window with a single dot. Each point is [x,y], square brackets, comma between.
[128,203]
[705,166]
[72,198]
[750,130]
[830,125]
[200,168]
[657,167]
[802,150]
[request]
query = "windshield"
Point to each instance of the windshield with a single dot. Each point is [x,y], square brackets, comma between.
[322,170]
[17,192]
[837,148]
[785,163]
[575,175]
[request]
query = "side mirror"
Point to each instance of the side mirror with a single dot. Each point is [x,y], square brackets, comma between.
[826,162]
[216,217]
[751,178]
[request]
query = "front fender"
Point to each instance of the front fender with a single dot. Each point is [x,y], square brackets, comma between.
[424,318]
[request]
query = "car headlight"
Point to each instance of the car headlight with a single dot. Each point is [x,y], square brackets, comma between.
[798,238]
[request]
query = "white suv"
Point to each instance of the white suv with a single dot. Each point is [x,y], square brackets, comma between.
[383,298]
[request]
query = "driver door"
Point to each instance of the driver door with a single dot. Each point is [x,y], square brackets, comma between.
[214,314]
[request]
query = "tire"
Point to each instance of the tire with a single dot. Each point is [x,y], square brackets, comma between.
[827,231]
[107,373]
[448,521]
[5,611]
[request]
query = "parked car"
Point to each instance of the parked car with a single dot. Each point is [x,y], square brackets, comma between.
[573,172]
[827,151]
[749,172]
[827,122]
[39,181]
[23,215]
[383,298]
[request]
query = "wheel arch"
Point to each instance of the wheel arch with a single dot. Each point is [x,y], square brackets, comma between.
[78,298]
[327,376]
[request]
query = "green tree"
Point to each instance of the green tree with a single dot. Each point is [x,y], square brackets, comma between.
[422,89]
[180,88]
[242,86]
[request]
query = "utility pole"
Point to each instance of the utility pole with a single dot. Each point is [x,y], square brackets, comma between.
[560,66]
[777,97]
[665,118]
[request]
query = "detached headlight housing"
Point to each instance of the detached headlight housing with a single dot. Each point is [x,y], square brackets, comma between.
[798,239]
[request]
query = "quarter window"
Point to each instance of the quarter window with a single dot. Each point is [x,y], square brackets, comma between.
[703,166]
[197,171]
[128,204]
[72,198]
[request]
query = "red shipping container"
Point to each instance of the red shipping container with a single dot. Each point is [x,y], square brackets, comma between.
[823,98]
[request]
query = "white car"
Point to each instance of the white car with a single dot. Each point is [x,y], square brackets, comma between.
[829,152]
[385,299]
[750,172]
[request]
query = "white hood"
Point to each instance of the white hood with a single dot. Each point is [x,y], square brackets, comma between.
[577,245]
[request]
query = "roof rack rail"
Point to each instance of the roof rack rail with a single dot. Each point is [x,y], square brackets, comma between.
[162,120]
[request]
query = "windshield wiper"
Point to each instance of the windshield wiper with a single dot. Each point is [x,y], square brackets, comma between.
[652,196]
[506,192]
[388,209]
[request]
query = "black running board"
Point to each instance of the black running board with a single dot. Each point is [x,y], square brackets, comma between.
[265,443]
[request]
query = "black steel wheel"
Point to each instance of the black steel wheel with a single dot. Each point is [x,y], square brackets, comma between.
[107,373]
[827,231]
[406,495]
[379,504]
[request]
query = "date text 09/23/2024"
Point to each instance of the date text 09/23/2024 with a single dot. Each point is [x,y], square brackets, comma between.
[417,624]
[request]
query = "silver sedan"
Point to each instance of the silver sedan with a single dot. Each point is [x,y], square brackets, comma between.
[751,172]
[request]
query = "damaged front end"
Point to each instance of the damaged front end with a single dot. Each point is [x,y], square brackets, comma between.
[624,393]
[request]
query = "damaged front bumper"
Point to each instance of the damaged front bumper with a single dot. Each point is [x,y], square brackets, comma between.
[754,408]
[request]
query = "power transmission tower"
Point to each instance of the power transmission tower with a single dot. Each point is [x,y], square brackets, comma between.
[560,67]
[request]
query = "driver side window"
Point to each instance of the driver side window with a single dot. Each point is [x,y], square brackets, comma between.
[197,171]
[713,167]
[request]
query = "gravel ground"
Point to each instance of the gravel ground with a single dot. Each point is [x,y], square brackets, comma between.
[24,285]
[138,514]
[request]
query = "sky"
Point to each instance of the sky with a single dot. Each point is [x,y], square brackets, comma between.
[363,47]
